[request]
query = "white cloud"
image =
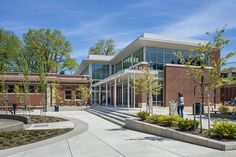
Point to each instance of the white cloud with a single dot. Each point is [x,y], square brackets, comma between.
[209,18]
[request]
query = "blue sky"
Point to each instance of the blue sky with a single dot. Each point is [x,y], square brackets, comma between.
[85,22]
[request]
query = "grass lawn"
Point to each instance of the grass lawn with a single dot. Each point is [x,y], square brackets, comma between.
[11,139]
[44,119]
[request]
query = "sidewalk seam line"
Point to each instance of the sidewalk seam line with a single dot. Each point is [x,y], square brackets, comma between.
[107,144]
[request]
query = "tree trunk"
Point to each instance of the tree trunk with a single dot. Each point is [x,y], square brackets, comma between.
[201,106]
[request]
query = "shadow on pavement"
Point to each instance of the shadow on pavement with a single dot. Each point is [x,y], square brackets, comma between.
[151,138]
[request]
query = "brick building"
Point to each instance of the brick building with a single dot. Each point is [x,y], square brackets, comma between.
[112,75]
[67,88]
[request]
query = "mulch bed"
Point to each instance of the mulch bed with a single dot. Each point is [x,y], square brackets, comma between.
[11,139]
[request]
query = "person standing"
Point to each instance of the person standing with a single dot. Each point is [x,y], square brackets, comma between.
[180,103]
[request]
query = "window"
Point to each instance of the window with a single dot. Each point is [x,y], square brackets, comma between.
[160,59]
[119,66]
[138,56]
[85,71]
[31,89]
[100,71]
[167,55]
[127,62]
[10,88]
[68,93]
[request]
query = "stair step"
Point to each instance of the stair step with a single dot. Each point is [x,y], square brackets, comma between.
[114,113]
[120,123]
[110,115]
[124,113]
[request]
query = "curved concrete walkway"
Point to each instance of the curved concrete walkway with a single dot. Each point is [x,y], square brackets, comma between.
[106,139]
[79,128]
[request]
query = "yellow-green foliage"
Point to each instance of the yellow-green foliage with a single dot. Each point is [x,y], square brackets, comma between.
[143,115]
[187,124]
[224,129]
[164,120]
[223,108]
[82,92]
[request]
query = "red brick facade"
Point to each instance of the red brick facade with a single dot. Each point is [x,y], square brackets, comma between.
[35,98]
[176,80]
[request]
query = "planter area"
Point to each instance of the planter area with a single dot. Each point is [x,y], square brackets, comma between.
[137,125]
[223,115]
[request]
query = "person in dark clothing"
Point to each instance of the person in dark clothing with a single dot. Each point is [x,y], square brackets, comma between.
[14,106]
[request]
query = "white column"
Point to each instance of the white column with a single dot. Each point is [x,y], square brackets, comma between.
[122,93]
[134,89]
[106,95]
[110,94]
[115,93]
[128,92]
[99,95]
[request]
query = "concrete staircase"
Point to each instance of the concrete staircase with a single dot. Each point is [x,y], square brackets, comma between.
[113,116]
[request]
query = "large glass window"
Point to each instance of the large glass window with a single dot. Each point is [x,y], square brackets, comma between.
[86,71]
[160,58]
[119,66]
[138,56]
[127,62]
[100,71]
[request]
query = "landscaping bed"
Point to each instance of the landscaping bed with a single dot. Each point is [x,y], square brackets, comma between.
[11,139]
[33,119]
[221,136]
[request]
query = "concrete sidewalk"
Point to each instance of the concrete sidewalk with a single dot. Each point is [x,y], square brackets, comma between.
[107,139]
[47,126]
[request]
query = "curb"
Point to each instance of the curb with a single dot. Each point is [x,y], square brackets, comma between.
[79,128]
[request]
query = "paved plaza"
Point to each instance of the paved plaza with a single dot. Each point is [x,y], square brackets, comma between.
[103,138]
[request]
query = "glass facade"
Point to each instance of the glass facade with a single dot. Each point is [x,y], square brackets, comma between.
[119,67]
[100,71]
[156,57]
[127,62]
[138,56]
[86,71]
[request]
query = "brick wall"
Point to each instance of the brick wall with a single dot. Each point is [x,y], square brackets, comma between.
[176,80]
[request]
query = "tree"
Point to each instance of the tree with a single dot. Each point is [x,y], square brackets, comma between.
[56,88]
[49,48]
[82,92]
[147,83]
[204,72]
[10,48]
[103,47]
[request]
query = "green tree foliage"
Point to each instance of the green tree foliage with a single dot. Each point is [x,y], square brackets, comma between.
[83,93]
[103,47]
[206,74]
[10,48]
[147,83]
[48,48]
[56,89]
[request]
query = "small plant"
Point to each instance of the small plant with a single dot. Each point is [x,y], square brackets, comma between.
[143,115]
[168,121]
[187,124]
[223,108]
[224,129]
[153,118]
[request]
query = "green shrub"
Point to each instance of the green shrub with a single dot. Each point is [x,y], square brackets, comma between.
[167,121]
[223,108]
[153,118]
[187,124]
[224,129]
[143,115]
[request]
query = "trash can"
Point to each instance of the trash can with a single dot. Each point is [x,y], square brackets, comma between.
[56,108]
[198,106]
